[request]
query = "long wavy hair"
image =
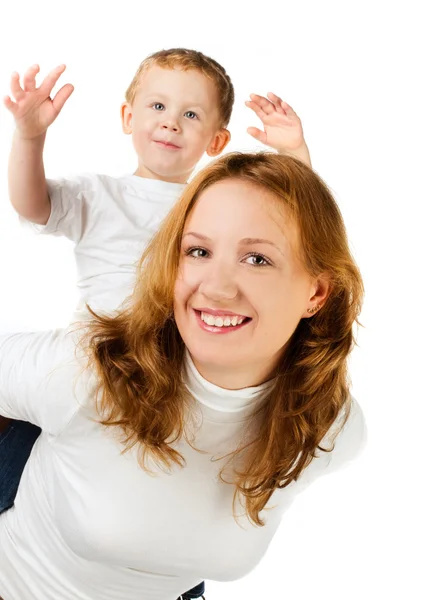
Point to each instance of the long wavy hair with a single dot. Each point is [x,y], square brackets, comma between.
[138,354]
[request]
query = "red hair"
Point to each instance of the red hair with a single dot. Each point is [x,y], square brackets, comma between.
[138,355]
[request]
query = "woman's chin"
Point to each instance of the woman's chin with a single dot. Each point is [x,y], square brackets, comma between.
[215,361]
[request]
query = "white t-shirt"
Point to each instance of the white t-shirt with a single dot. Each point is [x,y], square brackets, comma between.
[90,524]
[110,220]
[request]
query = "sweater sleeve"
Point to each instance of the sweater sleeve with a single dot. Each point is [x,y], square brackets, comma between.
[41,378]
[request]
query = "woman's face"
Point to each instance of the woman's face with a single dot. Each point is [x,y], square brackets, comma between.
[241,290]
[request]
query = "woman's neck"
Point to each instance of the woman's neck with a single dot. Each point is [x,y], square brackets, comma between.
[234,379]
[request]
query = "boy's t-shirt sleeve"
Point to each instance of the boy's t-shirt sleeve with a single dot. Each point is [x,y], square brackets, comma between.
[69,207]
[42,378]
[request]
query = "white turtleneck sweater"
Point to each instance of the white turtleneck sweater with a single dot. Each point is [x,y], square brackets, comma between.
[90,524]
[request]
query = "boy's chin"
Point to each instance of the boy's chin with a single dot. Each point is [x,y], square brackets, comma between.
[168,172]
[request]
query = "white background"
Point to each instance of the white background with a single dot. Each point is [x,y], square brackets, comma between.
[364,77]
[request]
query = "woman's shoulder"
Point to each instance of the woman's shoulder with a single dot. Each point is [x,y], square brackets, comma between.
[42,352]
[348,433]
[342,444]
[44,376]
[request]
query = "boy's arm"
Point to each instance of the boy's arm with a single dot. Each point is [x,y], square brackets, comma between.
[27,181]
[34,111]
[282,127]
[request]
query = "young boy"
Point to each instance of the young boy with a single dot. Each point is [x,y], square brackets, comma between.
[177,107]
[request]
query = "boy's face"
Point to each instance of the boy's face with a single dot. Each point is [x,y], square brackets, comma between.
[173,120]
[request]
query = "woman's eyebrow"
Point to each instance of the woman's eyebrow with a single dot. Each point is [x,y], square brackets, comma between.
[197,235]
[250,241]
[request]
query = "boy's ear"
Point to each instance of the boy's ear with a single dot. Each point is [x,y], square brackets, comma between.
[126,117]
[219,142]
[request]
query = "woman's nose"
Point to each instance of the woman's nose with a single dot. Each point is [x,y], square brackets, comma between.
[219,284]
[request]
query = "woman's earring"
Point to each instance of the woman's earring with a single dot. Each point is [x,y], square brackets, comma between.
[313,309]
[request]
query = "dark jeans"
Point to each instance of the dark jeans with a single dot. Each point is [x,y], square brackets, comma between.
[16,442]
[195,592]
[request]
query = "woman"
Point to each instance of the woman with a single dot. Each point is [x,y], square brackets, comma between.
[176,434]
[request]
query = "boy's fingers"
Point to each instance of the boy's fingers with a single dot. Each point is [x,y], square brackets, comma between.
[275,97]
[257,134]
[277,101]
[29,84]
[256,108]
[61,96]
[288,110]
[16,90]
[264,103]
[51,79]
[10,105]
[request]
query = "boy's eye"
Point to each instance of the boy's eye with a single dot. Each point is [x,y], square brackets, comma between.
[190,114]
[258,260]
[196,252]
[158,106]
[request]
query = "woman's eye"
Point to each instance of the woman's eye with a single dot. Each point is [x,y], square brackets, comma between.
[258,260]
[196,252]
[158,106]
[190,114]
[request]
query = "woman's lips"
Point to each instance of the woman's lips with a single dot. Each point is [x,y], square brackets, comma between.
[219,330]
[220,313]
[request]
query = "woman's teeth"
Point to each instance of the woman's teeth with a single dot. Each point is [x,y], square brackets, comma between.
[227,321]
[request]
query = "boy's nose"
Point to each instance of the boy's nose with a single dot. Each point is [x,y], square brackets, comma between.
[171,126]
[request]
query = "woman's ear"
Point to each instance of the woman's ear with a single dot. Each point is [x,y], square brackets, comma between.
[320,290]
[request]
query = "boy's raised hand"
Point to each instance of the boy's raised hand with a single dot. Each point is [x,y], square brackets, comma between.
[33,108]
[282,127]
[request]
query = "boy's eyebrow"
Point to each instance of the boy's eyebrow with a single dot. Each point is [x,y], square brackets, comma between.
[162,96]
[245,241]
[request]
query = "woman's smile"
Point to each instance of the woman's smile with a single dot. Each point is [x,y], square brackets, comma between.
[220,321]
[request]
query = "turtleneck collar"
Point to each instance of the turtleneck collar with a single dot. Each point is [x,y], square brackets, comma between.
[219,404]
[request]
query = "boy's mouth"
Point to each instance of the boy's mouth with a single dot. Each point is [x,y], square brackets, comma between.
[168,145]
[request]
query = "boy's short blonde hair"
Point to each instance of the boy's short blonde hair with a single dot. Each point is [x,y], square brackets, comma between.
[181,58]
